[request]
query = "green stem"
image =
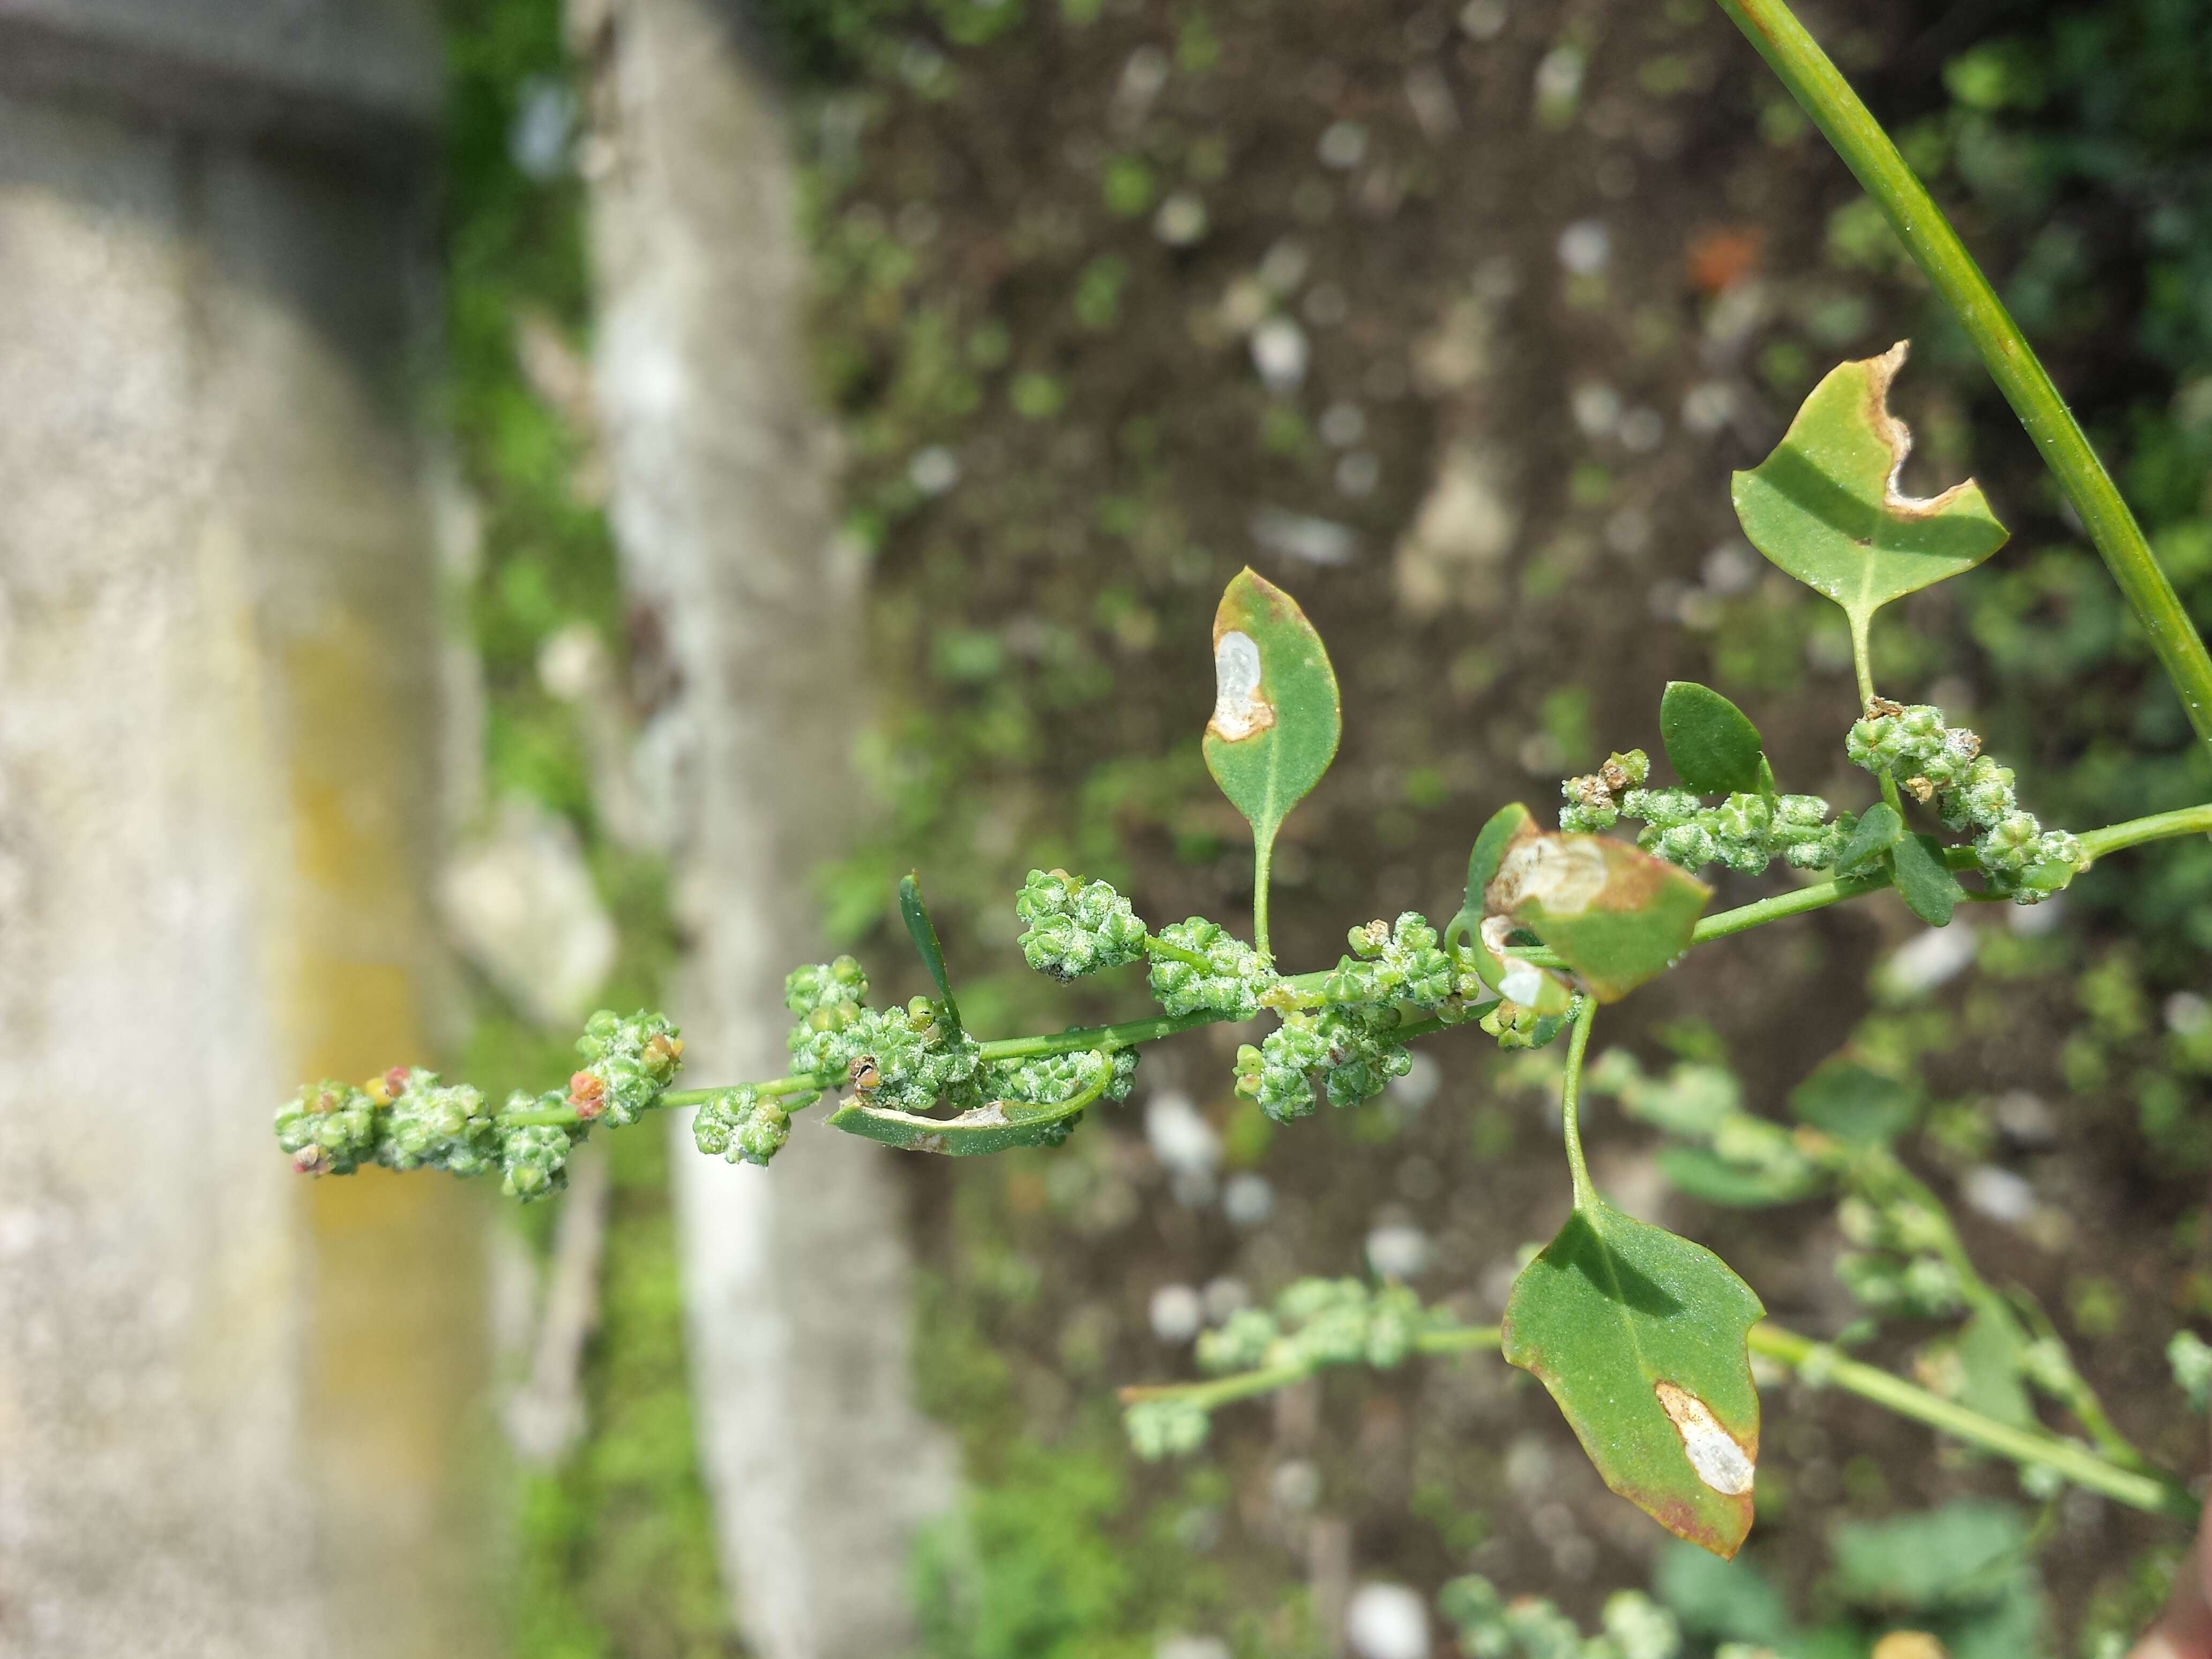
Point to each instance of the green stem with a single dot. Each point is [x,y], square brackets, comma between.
[1570,1102]
[1862,659]
[1244,1385]
[1818,85]
[2160,826]
[1818,1363]
[1263,866]
[2194,820]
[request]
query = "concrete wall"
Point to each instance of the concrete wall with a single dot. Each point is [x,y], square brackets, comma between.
[235,1411]
[795,1277]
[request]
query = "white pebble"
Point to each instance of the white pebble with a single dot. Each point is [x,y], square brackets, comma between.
[1248,1200]
[1280,353]
[1179,1135]
[1398,1250]
[1177,1312]
[1386,1621]
[1584,247]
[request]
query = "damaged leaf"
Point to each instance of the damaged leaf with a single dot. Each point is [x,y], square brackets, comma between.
[1276,715]
[1615,914]
[1482,937]
[1640,1337]
[997,1126]
[1824,506]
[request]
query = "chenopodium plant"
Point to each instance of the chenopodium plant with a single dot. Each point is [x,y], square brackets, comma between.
[1643,1338]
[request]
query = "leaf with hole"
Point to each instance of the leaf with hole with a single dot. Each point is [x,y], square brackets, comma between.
[1925,882]
[923,933]
[1711,742]
[1615,914]
[1824,506]
[1640,1336]
[1276,714]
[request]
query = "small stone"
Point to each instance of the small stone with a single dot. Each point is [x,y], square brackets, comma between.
[1247,1200]
[1177,1313]
[1386,1621]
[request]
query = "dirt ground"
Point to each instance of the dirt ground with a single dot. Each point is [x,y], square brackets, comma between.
[1476,311]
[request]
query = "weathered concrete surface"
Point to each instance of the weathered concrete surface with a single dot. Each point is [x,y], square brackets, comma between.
[353,78]
[795,1277]
[235,1412]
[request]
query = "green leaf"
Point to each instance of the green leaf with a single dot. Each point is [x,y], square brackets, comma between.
[1963,1551]
[1711,742]
[1992,1349]
[1276,716]
[1615,914]
[1824,506]
[1853,1103]
[1930,888]
[1706,1175]
[1873,835]
[923,933]
[1640,1337]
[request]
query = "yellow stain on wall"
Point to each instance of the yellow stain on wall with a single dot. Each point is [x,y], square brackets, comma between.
[397,1375]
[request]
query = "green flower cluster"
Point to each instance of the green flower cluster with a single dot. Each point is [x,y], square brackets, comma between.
[1321,1321]
[1350,1046]
[1896,1268]
[1205,969]
[627,1064]
[1516,1027]
[908,1059]
[438,1125]
[741,1126]
[1048,1078]
[1076,928]
[1634,1625]
[1316,1322]
[409,1120]
[533,1158]
[1401,962]
[1930,761]
[1171,1426]
[1745,832]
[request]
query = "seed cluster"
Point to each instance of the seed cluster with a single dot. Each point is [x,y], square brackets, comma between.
[1076,928]
[1226,978]
[1971,793]
[408,1119]
[741,1126]
[1746,832]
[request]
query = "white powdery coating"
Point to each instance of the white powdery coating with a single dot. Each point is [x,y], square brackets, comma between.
[1239,710]
[1721,1463]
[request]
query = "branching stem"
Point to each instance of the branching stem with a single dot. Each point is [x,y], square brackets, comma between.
[1858,138]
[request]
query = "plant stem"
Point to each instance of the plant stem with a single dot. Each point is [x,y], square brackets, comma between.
[2193,820]
[1857,137]
[1818,1363]
[1571,1091]
[2190,820]
[1244,1385]
[1863,659]
[1263,867]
